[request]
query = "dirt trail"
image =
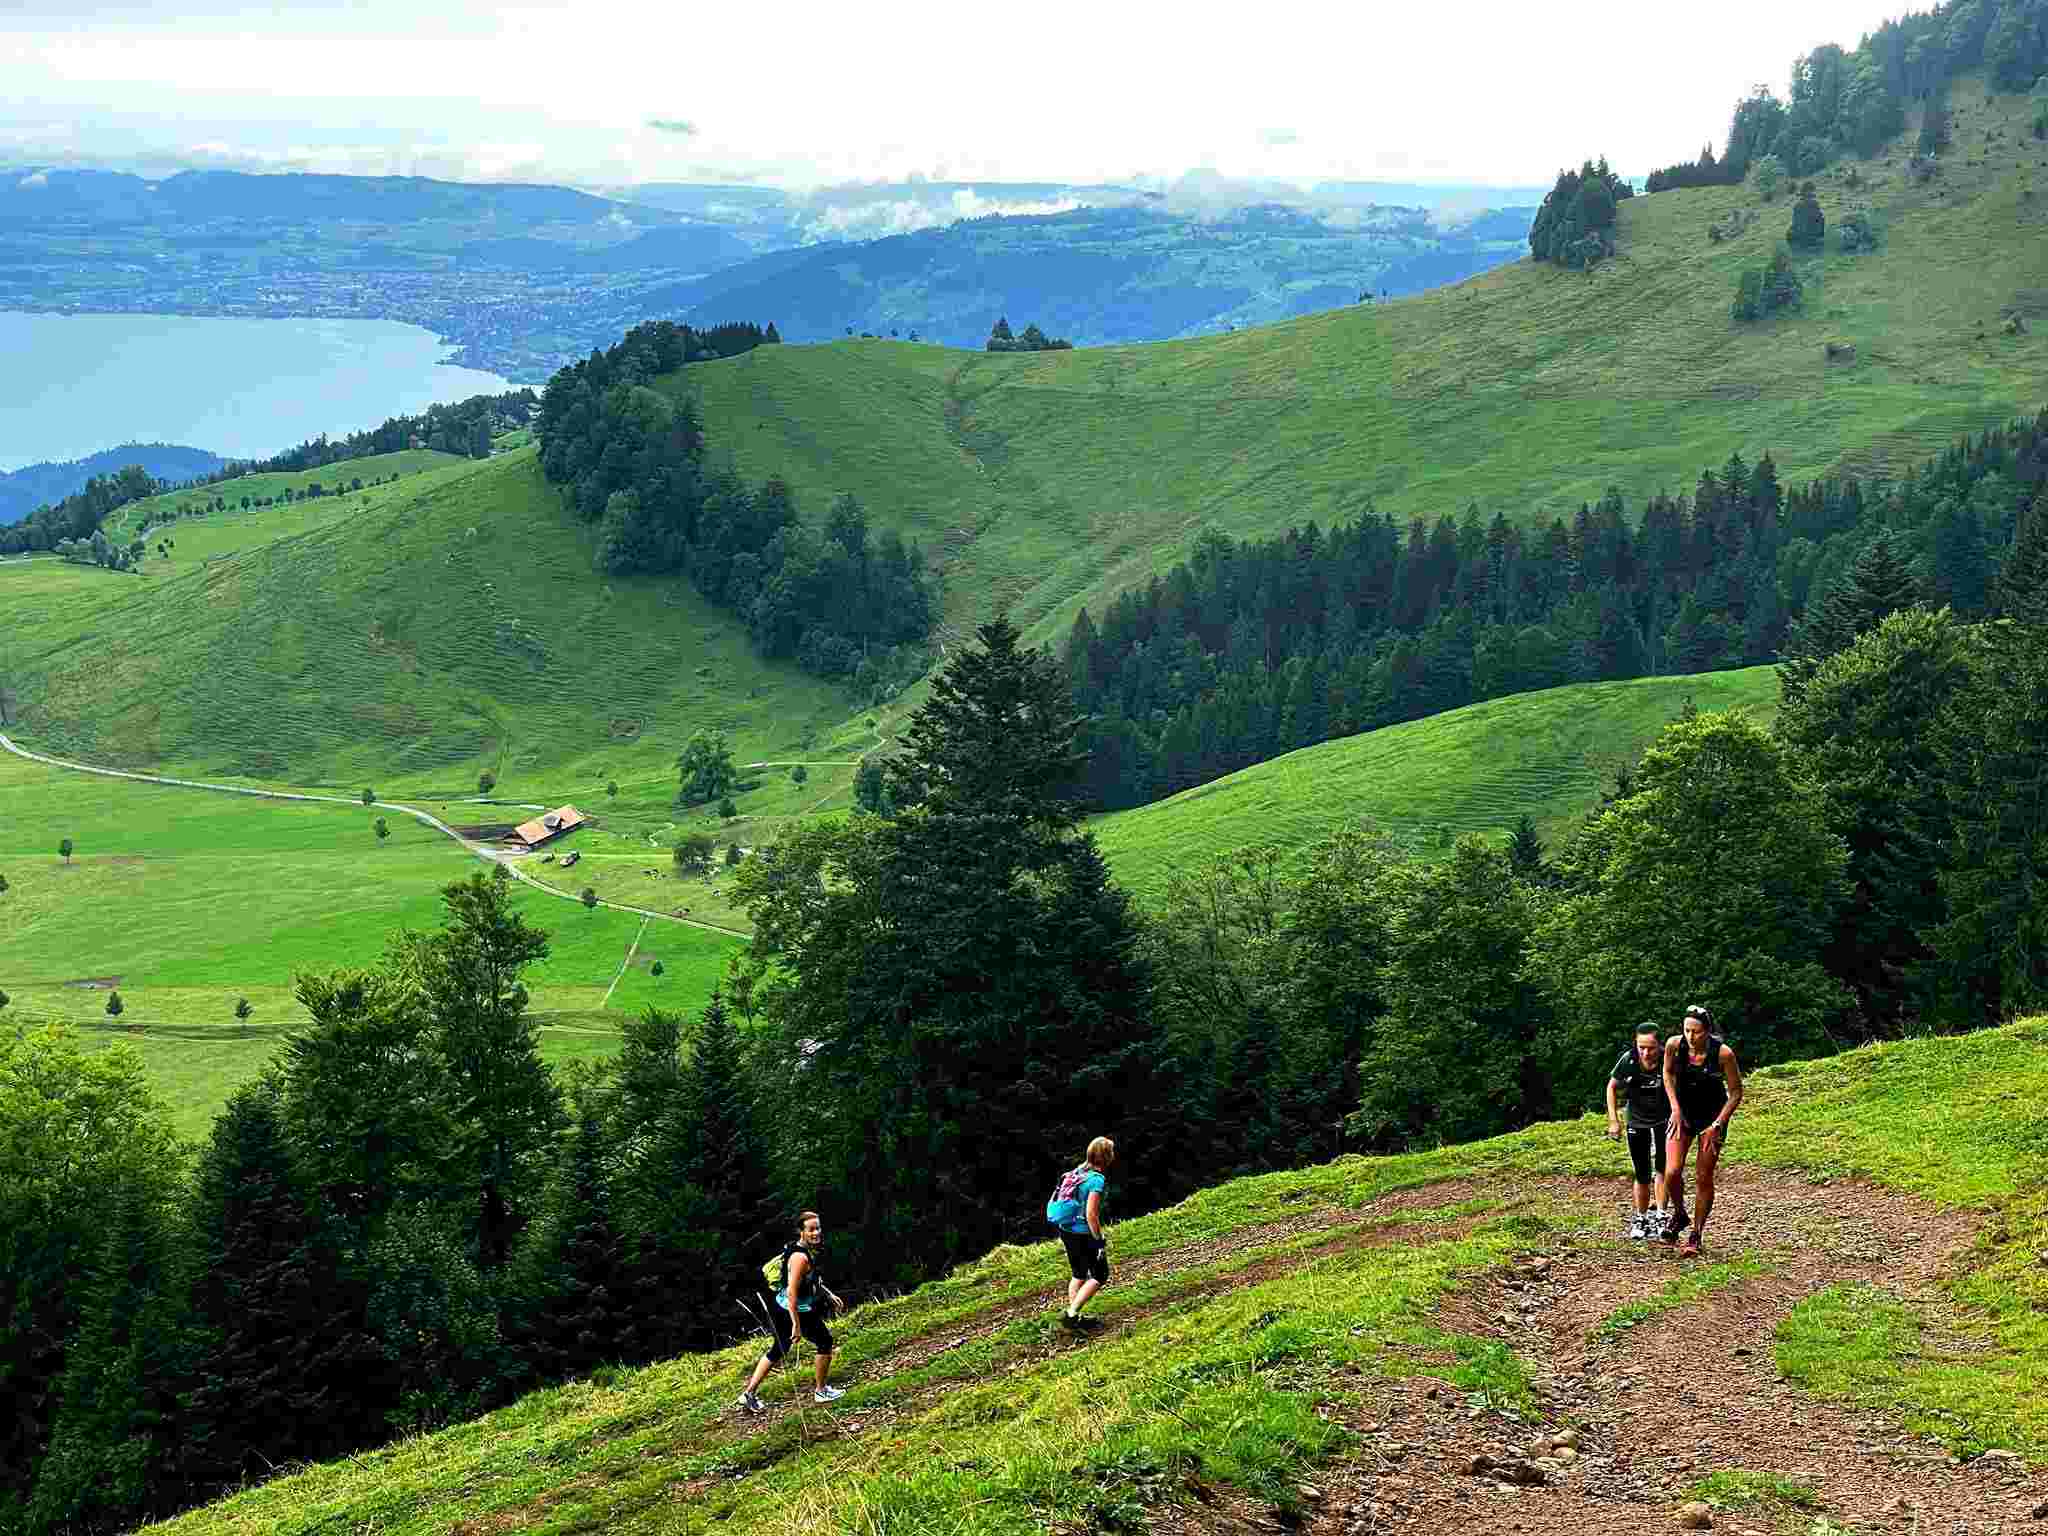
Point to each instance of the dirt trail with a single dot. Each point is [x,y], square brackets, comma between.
[1683,1394]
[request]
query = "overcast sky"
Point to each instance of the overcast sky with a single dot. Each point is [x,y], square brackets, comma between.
[807,95]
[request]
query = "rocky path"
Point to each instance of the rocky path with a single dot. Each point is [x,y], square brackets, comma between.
[1645,1413]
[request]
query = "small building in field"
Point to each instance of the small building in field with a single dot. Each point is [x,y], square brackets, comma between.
[529,835]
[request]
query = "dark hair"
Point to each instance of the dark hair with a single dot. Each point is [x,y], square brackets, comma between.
[1701,1012]
[804,1219]
[1647,1027]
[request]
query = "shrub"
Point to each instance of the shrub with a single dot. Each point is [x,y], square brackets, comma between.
[693,853]
[654,968]
[1767,174]
[1857,232]
[115,1007]
[486,782]
[589,899]
[727,809]
[1809,225]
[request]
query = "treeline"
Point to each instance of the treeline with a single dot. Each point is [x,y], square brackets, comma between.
[463,427]
[409,1217]
[1844,100]
[79,515]
[1254,648]
[1002,339]
[406,1220]
[1571,228]
[630,458]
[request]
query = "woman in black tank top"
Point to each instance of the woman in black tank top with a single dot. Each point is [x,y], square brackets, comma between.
[1703,1075]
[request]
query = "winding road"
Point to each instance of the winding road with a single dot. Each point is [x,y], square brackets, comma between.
[487,854]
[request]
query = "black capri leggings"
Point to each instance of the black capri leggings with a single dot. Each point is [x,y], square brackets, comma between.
[1646,1148]
[813,1326]
[1087,1256]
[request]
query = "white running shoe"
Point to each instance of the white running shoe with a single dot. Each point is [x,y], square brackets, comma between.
[827,1395]
[1638,1225]
[749,1403]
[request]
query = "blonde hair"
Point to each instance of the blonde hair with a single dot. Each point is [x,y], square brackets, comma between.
[1102,1153]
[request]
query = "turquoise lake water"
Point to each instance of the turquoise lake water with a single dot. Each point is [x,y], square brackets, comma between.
[71,385]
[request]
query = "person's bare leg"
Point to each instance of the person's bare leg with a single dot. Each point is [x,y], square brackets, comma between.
[824,1370]
[1073,1290]
[1082,1293]
[1642,1198]
[1674,1176]
[761,1369]
[1710,1162]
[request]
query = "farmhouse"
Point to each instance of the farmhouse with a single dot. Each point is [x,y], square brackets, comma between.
[529,835]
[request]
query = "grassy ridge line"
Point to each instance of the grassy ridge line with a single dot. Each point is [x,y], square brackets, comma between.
[1208,1378]
[408,461]
[1469,770]
[1043,481]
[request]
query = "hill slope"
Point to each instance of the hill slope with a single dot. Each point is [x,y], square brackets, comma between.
[404,636]
[1475,769]
[1334,1346]
[1051,479]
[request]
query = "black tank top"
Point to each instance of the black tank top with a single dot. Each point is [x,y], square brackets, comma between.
[807,1287]
[1702,1090]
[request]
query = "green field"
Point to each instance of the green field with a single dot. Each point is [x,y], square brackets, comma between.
[1279,1348]
[185,901]
[1475,769]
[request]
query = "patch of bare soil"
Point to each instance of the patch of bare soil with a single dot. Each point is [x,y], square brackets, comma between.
[1651,1411]
[94,983]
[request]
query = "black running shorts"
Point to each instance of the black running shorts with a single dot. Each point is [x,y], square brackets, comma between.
[812,1324]
[1087,1256]
[1646,1149]
[1697,1123]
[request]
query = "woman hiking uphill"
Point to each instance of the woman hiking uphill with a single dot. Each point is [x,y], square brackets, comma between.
[797,1294]
[1075,1211]
[1703,1083]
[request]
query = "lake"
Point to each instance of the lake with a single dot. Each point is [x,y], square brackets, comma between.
[244,388]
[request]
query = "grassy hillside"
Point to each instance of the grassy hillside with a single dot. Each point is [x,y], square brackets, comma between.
[1334,1346]
[185,901]
[1474,769]
[1046,480]
[407,638]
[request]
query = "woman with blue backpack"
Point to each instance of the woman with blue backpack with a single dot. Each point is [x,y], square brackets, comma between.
[1075,1211]
[798,1291]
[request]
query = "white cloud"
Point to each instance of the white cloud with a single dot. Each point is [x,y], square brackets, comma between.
[1444,93]
[34,180]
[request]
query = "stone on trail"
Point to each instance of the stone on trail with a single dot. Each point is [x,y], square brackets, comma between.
[1696,1516]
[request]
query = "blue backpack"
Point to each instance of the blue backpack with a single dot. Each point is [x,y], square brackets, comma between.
[1065,1203]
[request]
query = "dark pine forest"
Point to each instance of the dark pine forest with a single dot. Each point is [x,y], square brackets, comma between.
[1254,648]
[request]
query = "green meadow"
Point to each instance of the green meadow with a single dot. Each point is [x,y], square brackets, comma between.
[185,901]
[1425,782]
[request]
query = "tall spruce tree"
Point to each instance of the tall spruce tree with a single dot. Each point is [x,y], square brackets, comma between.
[961,984]
[112,1453]
[504,1107]
[2022,591]
[1525,851]
[282,1369]
[574,1267]
[1990,956]
[1866,730]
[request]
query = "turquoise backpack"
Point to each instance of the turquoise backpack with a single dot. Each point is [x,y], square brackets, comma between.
[1065,1203]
